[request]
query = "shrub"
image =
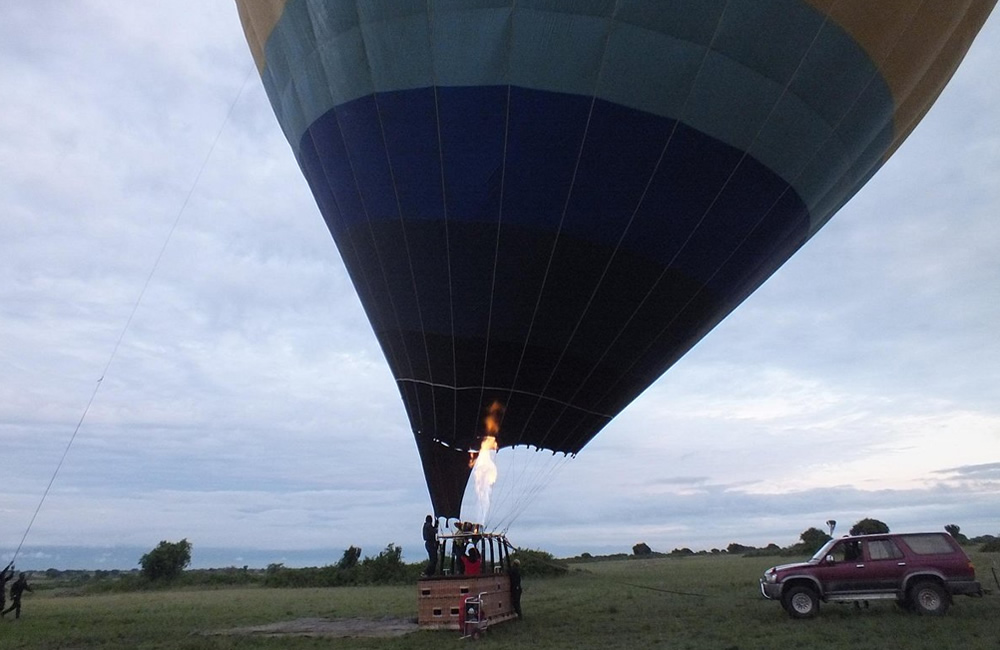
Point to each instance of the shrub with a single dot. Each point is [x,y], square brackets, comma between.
[539,563]
[385,568]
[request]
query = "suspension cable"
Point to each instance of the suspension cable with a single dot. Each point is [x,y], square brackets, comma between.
[135,308]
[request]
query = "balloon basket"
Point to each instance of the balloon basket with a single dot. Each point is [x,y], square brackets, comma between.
[443,602]
[442,598]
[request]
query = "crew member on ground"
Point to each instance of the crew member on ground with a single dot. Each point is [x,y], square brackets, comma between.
[19,587]
[5,576]
[515,587]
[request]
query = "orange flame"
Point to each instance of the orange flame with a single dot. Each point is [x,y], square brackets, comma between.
[484,470]
[491,428]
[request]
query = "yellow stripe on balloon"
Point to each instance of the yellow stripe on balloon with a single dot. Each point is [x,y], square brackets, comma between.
[916,46]
[259,18]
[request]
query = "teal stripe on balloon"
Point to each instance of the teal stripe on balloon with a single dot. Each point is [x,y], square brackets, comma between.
[795,92]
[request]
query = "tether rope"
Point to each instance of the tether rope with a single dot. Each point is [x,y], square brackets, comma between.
[594,576]
[135,308]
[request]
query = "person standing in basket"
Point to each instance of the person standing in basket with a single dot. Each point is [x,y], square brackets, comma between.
[430,543]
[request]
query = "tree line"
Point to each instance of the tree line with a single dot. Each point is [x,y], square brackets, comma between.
[810,541]
[167,564]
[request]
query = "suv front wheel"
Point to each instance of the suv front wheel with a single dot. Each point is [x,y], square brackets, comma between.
[928,598]
[801,602]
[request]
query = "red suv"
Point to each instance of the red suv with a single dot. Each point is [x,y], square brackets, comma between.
[920,571]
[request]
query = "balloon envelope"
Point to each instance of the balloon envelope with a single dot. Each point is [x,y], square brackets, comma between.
[546,203]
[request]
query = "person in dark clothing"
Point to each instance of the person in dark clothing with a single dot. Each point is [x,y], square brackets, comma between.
[5,576]
[515,587]
[19,587]
[430,543]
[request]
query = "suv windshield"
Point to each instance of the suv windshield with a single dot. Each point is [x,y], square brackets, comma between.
[823,551]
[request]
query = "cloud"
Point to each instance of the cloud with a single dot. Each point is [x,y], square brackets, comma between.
[986,470]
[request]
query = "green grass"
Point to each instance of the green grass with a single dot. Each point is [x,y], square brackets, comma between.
[694,602]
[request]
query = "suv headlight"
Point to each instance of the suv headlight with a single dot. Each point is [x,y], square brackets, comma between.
[771,576]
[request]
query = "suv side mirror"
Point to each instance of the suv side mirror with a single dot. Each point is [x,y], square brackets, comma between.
[830,559]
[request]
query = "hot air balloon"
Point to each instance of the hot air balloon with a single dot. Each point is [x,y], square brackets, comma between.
[544,204]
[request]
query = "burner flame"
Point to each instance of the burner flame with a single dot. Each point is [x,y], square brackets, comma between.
[484,469]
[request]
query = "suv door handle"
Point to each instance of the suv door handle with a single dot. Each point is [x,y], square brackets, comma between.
[900,563]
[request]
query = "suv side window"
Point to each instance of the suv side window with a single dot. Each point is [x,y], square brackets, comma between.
[928,544]
[847,551]
[883,549]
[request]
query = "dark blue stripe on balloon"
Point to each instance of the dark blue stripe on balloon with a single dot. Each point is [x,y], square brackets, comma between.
[394,168]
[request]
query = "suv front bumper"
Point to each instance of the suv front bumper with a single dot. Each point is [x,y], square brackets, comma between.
[770,590]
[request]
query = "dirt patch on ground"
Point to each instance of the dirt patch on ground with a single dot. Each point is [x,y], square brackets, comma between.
[328,627]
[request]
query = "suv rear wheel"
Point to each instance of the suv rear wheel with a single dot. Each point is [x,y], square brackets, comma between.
[801,602]
[928,598]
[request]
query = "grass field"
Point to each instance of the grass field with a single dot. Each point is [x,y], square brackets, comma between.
[694,602]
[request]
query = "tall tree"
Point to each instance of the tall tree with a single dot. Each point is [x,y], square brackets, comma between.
[955,531]
[812,539]
[869,526]
[167,560]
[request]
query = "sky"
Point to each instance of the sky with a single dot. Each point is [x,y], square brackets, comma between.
[182,354]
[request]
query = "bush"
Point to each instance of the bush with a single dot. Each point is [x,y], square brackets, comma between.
[278,575]
[992,546]
[770,550]
[539,563]
[385,568]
